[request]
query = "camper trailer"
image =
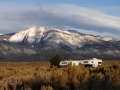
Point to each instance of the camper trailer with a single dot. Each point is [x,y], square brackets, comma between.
[92,62]
[72,63]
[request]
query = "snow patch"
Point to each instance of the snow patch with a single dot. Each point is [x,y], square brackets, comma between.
[108,38]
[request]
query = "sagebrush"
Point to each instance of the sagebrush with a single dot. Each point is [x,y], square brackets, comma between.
[40,76]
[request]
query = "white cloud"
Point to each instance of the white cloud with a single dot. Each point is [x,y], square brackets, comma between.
[90,18]
[60,16]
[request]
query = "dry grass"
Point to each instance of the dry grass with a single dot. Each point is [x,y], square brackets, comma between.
[39,76]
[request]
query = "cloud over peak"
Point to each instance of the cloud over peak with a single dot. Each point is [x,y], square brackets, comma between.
[61,16]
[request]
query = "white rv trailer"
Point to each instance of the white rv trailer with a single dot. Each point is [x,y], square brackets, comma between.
[72,63]
[92,62]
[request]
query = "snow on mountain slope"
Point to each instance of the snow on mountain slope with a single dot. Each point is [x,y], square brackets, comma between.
[52,37]
[108,38]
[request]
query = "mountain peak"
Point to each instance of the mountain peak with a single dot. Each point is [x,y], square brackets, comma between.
[71,42]
[74,31]
[52,38]
[108,38]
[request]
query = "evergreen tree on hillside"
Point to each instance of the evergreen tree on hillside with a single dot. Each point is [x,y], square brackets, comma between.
[55,60]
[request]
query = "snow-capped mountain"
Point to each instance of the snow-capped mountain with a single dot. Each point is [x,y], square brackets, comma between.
[108,38]
[52,38]
[41,41]
[4,38]
[74,31]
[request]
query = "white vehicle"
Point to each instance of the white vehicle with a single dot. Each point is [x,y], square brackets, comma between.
[92,62]
[72,63]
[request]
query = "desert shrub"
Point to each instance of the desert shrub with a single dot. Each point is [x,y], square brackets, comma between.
[46,88]
[39,76]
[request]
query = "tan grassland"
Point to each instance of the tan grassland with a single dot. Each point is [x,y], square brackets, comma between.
[39,76]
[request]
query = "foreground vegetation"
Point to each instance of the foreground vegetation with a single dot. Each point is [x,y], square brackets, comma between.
[40,76]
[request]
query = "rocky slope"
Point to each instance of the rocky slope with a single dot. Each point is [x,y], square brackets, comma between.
[45,42]
[52,38]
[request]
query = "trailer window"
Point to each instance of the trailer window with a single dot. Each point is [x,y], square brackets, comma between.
[99,62]
[85,62]
[64,62]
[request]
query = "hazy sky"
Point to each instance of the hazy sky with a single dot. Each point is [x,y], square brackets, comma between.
[97,17]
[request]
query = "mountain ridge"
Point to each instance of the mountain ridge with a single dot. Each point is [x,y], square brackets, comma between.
[48,41]
[53,37]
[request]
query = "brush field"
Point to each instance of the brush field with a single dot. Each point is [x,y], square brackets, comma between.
[39,76]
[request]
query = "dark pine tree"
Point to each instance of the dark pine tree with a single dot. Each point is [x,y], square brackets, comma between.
[55,60]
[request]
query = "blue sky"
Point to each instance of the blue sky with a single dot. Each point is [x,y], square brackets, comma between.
[98,17]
